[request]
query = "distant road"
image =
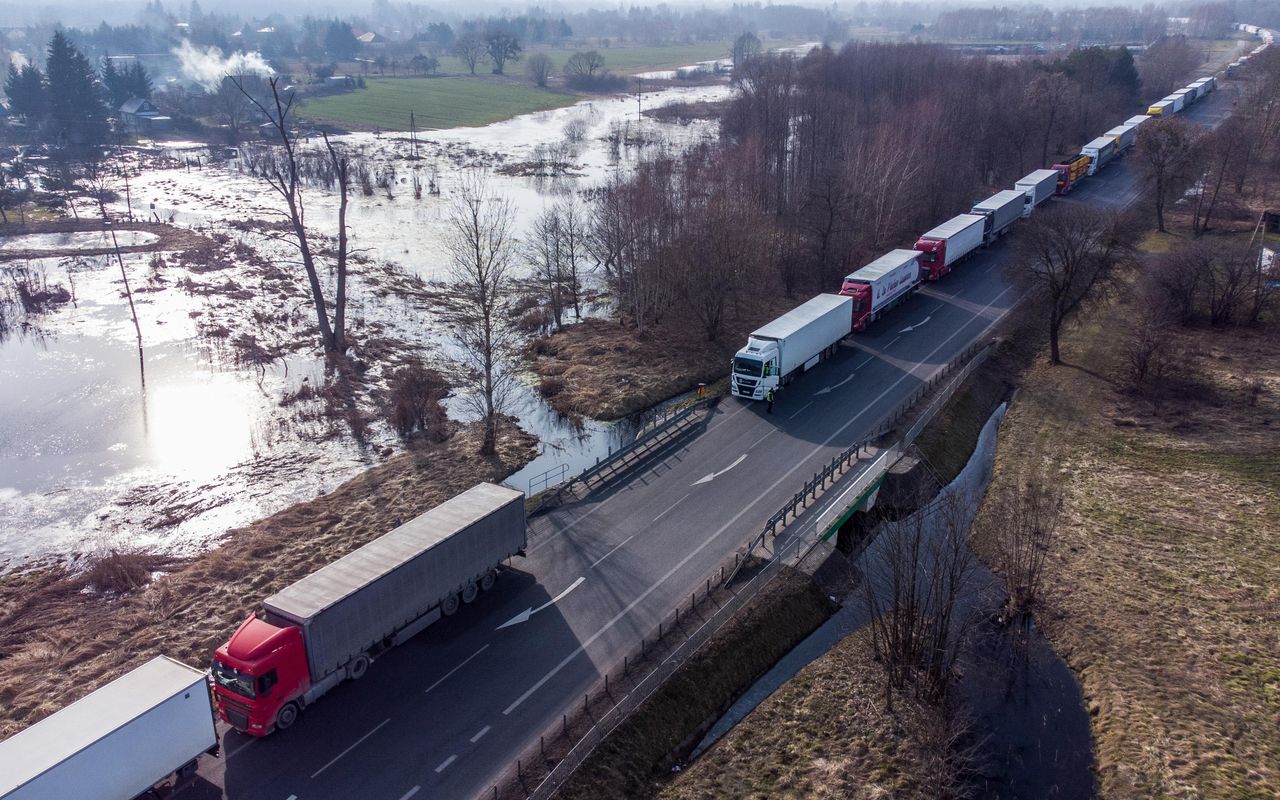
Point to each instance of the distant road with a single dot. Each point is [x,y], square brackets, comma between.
[443,715]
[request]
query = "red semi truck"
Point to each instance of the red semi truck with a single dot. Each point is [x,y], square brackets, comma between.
[882,284]
[946,244]
[329,626]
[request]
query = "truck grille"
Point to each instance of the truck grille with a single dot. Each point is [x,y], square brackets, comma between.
[236,713]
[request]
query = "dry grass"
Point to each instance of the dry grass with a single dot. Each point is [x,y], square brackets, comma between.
[58,642]
[824,734]
[637,756]
[1163,592]
[610,371]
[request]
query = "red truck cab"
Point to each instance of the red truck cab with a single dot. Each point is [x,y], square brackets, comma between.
[861,294]
[933,257]
[259,677]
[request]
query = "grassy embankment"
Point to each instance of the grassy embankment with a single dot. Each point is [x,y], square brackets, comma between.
[638,755]
[1162,590]
[59,641]
[824,734]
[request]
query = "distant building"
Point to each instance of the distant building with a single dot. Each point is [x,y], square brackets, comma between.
[371,40]
[141,116]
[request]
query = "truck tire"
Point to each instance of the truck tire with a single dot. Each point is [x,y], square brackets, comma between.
[286,716]
[187,771]
[470,592]
[358,667]
[449,606]
[489,579]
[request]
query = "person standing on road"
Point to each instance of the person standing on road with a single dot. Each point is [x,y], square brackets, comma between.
[769,397]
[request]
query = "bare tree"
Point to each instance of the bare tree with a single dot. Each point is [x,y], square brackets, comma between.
[1146,329]
[470,48]
[1047,96]
[916,572]
[284,175]
[584,63]
[574,253]
[542,251]
[481,244]
[1219,151]
[1020,521]
[539,66]
[232,108]
[1065,257]
[1165,63]
[1164,153]
[501,47]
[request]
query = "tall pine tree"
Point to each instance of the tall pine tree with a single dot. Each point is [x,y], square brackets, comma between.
[77,114]
[26,92]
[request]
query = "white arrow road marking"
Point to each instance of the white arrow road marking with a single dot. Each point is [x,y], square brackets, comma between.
[830,389]
[523,616]
[714,475]
[911,328]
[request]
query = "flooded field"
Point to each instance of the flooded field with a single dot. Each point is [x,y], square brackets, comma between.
[215,425]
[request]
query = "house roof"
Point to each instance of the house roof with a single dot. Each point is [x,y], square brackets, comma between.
[133,105]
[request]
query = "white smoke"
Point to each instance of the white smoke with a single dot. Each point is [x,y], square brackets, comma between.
[17,59]
[208,66]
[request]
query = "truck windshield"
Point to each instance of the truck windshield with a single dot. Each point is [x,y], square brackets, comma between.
[233,680]
[746,366]
[928,257]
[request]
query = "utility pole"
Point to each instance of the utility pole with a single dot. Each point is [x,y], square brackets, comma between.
[639,90]
[413,134]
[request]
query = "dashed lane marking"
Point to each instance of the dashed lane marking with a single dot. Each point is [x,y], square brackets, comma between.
[480,734]
[455,669]
[445,764]
[352,747]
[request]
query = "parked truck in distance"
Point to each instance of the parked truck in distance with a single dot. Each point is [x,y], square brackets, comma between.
[116,743]
[790,345]
[330,625]
[881,285]
[1036,188]
[1163,108]
[1100,152]
[1001,210]
[1136,123]
[1071,172]
[945,245]
[1125,136]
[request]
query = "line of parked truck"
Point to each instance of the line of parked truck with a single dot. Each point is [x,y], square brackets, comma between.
[154,722]
[797,341]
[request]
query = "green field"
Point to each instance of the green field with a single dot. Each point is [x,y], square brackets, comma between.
[628,59]
[446,102]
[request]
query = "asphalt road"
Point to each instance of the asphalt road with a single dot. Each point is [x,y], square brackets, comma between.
[443,715]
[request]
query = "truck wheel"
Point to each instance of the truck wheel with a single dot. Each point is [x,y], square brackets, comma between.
[449,606]
[358,667]
[489,579]
[187,771]
[469,592]
[286,716]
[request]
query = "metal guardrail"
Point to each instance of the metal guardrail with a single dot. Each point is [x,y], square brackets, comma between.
[807,536]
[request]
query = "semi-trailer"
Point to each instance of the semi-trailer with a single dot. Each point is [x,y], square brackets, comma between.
[944,246]
[1163,108]
[330,625]
[1137,121]
[1037,187]
[1071,172]
[791,344]
[882,284]
[1001,209]
[1100,152]
[116,743]
[1125,136]
[1178,100]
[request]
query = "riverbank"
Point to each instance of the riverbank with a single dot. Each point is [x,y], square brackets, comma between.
[1160,588]
[60,638]
[606,370]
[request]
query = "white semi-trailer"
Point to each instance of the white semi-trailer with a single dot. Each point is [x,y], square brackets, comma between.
[1001,209]
[1100,152]
[882,284]
[944,246]
[1036,188]
[1125,136]
[116,743]
[791,344]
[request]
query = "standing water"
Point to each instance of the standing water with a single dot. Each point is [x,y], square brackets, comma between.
[99,451]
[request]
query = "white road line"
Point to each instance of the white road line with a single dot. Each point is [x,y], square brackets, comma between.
[352,747]
[481,734]
[455,669]
[771,432]
[292,797]
[664,513]
[445,764]
[232,754]
[784,477]
[896,338]
[864,363]
[410,793]
[614,550]
[801,409]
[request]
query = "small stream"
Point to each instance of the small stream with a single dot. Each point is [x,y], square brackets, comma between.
[1031,734]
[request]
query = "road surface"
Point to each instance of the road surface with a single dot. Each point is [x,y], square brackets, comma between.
[443,715]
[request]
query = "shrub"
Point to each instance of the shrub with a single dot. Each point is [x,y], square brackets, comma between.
[117,572]
[413,402]
[550,387]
